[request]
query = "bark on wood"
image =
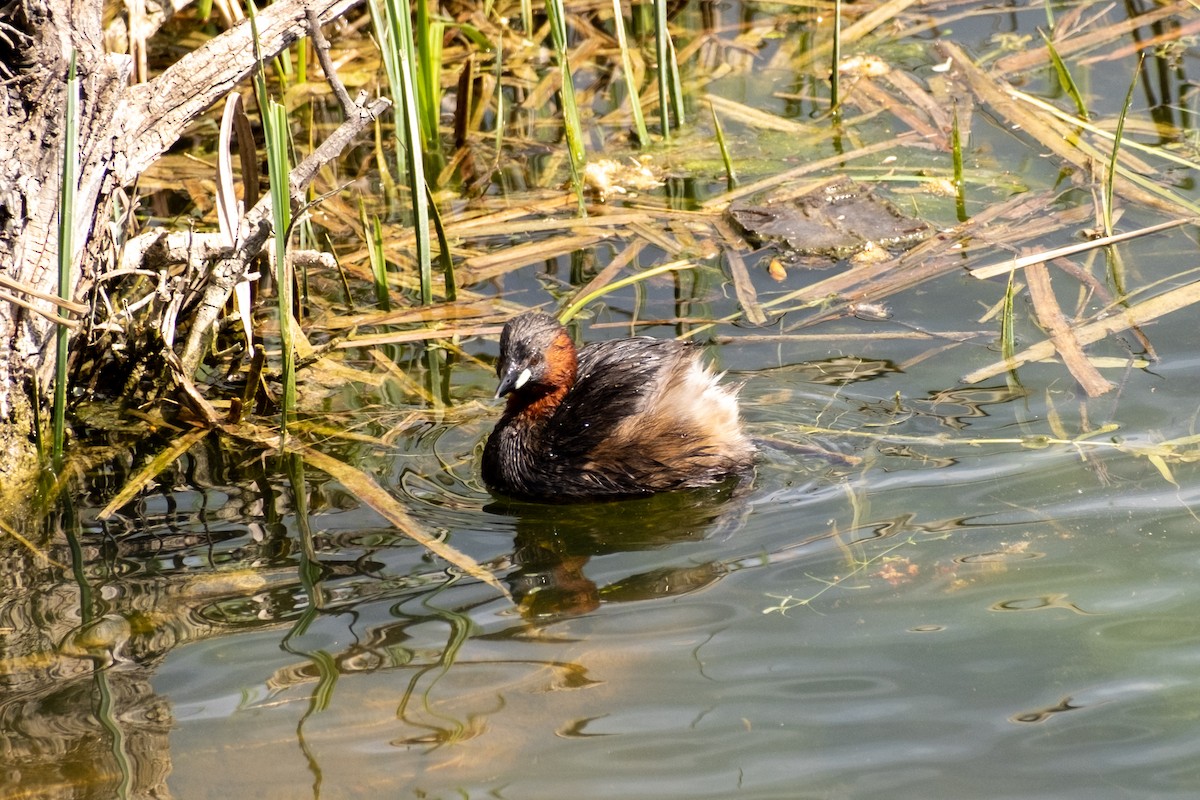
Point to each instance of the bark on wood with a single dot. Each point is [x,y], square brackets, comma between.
[254,230]
[123,130]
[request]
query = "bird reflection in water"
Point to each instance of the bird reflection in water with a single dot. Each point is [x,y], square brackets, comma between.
[555,543]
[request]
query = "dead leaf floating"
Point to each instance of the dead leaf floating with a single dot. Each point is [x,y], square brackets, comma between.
[864,66]
[605,177]
[830,222]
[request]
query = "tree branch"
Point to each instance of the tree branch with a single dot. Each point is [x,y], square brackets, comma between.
[157,112]
[255,229]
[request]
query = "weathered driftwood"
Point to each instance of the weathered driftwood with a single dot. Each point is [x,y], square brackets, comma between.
[123,130]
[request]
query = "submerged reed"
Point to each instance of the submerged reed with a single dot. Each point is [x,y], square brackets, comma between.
[1064,77]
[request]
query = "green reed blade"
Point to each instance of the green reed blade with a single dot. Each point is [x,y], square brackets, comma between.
[428,73]
[1064,76]
[477,37]
[393,29]
[1116,148]
[400,20]
[730,176]
[259,79]
[635,103]
[385,40]
[66,257]
[835,83]
[1008,334]
[675,85]
[302,62]
[573,128]
[378,263]
[444,257]
[275,131]
[1008,337]
[661,55]
[956,153]
[416,180]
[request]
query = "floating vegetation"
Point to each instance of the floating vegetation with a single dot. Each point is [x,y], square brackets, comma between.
[827,223]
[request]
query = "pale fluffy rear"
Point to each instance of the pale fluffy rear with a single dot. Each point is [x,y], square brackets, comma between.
[688,419]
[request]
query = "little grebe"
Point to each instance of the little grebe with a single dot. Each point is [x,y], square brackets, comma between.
[615,419]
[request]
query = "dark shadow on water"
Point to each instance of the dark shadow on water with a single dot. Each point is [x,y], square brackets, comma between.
[554,543]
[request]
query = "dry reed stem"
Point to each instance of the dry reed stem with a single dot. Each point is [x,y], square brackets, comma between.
[71,324]
[855,31]
[1040,56]
[608,274]
[744,288]
[366,490]
[426,315]
[520,226]
[1131,126]
[656,237]
[66,305]
[938,111]
[910,115]
[1121,319]
[458,225]
[339,370]
[1187,29]
[1050,316]
[423,335]
[485,267]
[832,162]
[930,259]
[165,458]
[406,382]
[993,270]
[762,120]
[1049,133]
[470,219]
[953,337]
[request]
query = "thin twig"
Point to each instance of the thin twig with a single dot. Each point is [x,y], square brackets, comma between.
[321,45]
[255,228]
[17,286]
[992,270]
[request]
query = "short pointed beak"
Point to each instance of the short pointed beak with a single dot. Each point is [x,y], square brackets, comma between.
[513,379]
[507,380]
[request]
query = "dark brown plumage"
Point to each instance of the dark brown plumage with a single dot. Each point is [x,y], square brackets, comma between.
[614,419]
